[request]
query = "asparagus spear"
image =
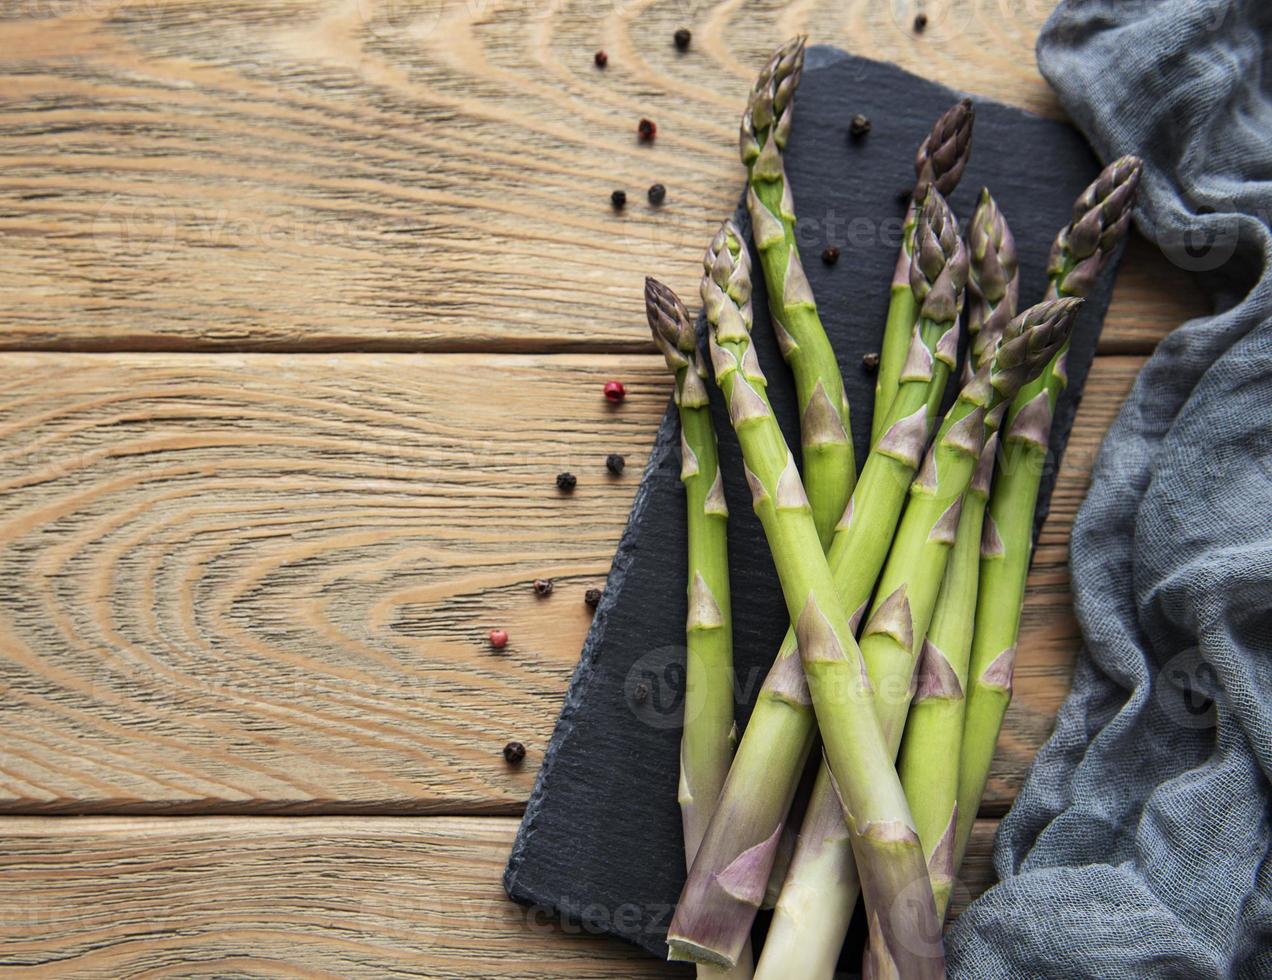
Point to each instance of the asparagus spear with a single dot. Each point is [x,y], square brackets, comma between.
[934,729]
[1101,218]
[829,470]
[941,159]
[716,910]
[705,750]
[706,743]
[894,875]
[825,445]
[899,620]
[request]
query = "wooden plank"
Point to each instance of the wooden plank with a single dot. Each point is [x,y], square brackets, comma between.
[413,174]
[246,582]
[200,897]
[315,896]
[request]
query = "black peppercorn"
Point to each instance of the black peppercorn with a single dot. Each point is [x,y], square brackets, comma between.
[830,255]
[566,482]
[657,194]
[592,597]
[920,22]
[859,126]
[646,129]
[615,463]
[870,362]
[640,693]
[514,753]
[682,38]
[543,586]
[602,59]
[619,200]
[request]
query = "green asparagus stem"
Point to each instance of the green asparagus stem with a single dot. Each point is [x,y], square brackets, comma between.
[716,909]
[904,603]
[1101,218]
[934,730]
[825,443]
[941,159]
[894,875]
[706,749]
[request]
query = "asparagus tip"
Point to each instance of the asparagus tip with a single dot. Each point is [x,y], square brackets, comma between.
[669,323]
[939,260]
[1101,219]
[766,123]
[993,277]
[1030,341]
[942,156]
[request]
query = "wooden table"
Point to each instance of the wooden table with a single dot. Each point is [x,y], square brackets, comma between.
[305,303]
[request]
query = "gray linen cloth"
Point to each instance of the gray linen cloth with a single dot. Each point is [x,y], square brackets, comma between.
[1139,845]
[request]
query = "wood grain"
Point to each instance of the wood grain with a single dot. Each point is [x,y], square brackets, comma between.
[246,582]
[414,174]
[313,897]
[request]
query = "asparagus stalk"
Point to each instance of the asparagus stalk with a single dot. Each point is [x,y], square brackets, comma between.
[829,470]
[900,616]
[934,730]
[1101,218]
[706,743]
[894,875]
[705,750]
[825,445]
[727,881]
[941,159]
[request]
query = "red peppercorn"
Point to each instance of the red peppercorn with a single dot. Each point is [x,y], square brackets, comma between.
[614,391]
[498,639]
[646,130]
[602,59]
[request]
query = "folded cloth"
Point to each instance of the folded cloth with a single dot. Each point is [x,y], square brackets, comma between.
[1139,845]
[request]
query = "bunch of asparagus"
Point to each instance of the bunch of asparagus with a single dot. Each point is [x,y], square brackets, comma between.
[903,583]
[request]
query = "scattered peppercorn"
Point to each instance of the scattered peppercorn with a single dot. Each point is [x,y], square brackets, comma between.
[859,126]
[615,463]
[619,200]
[514,753]
[498,639]
[870,362]
[657,194]
[602,59]
[646,130]
[920,22]
[830,255]
[592,597]
[544,586]
[566,482]
[640,693]
[682,38]
[614,391]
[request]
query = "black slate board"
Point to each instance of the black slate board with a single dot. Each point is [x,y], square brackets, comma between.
[600,843]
